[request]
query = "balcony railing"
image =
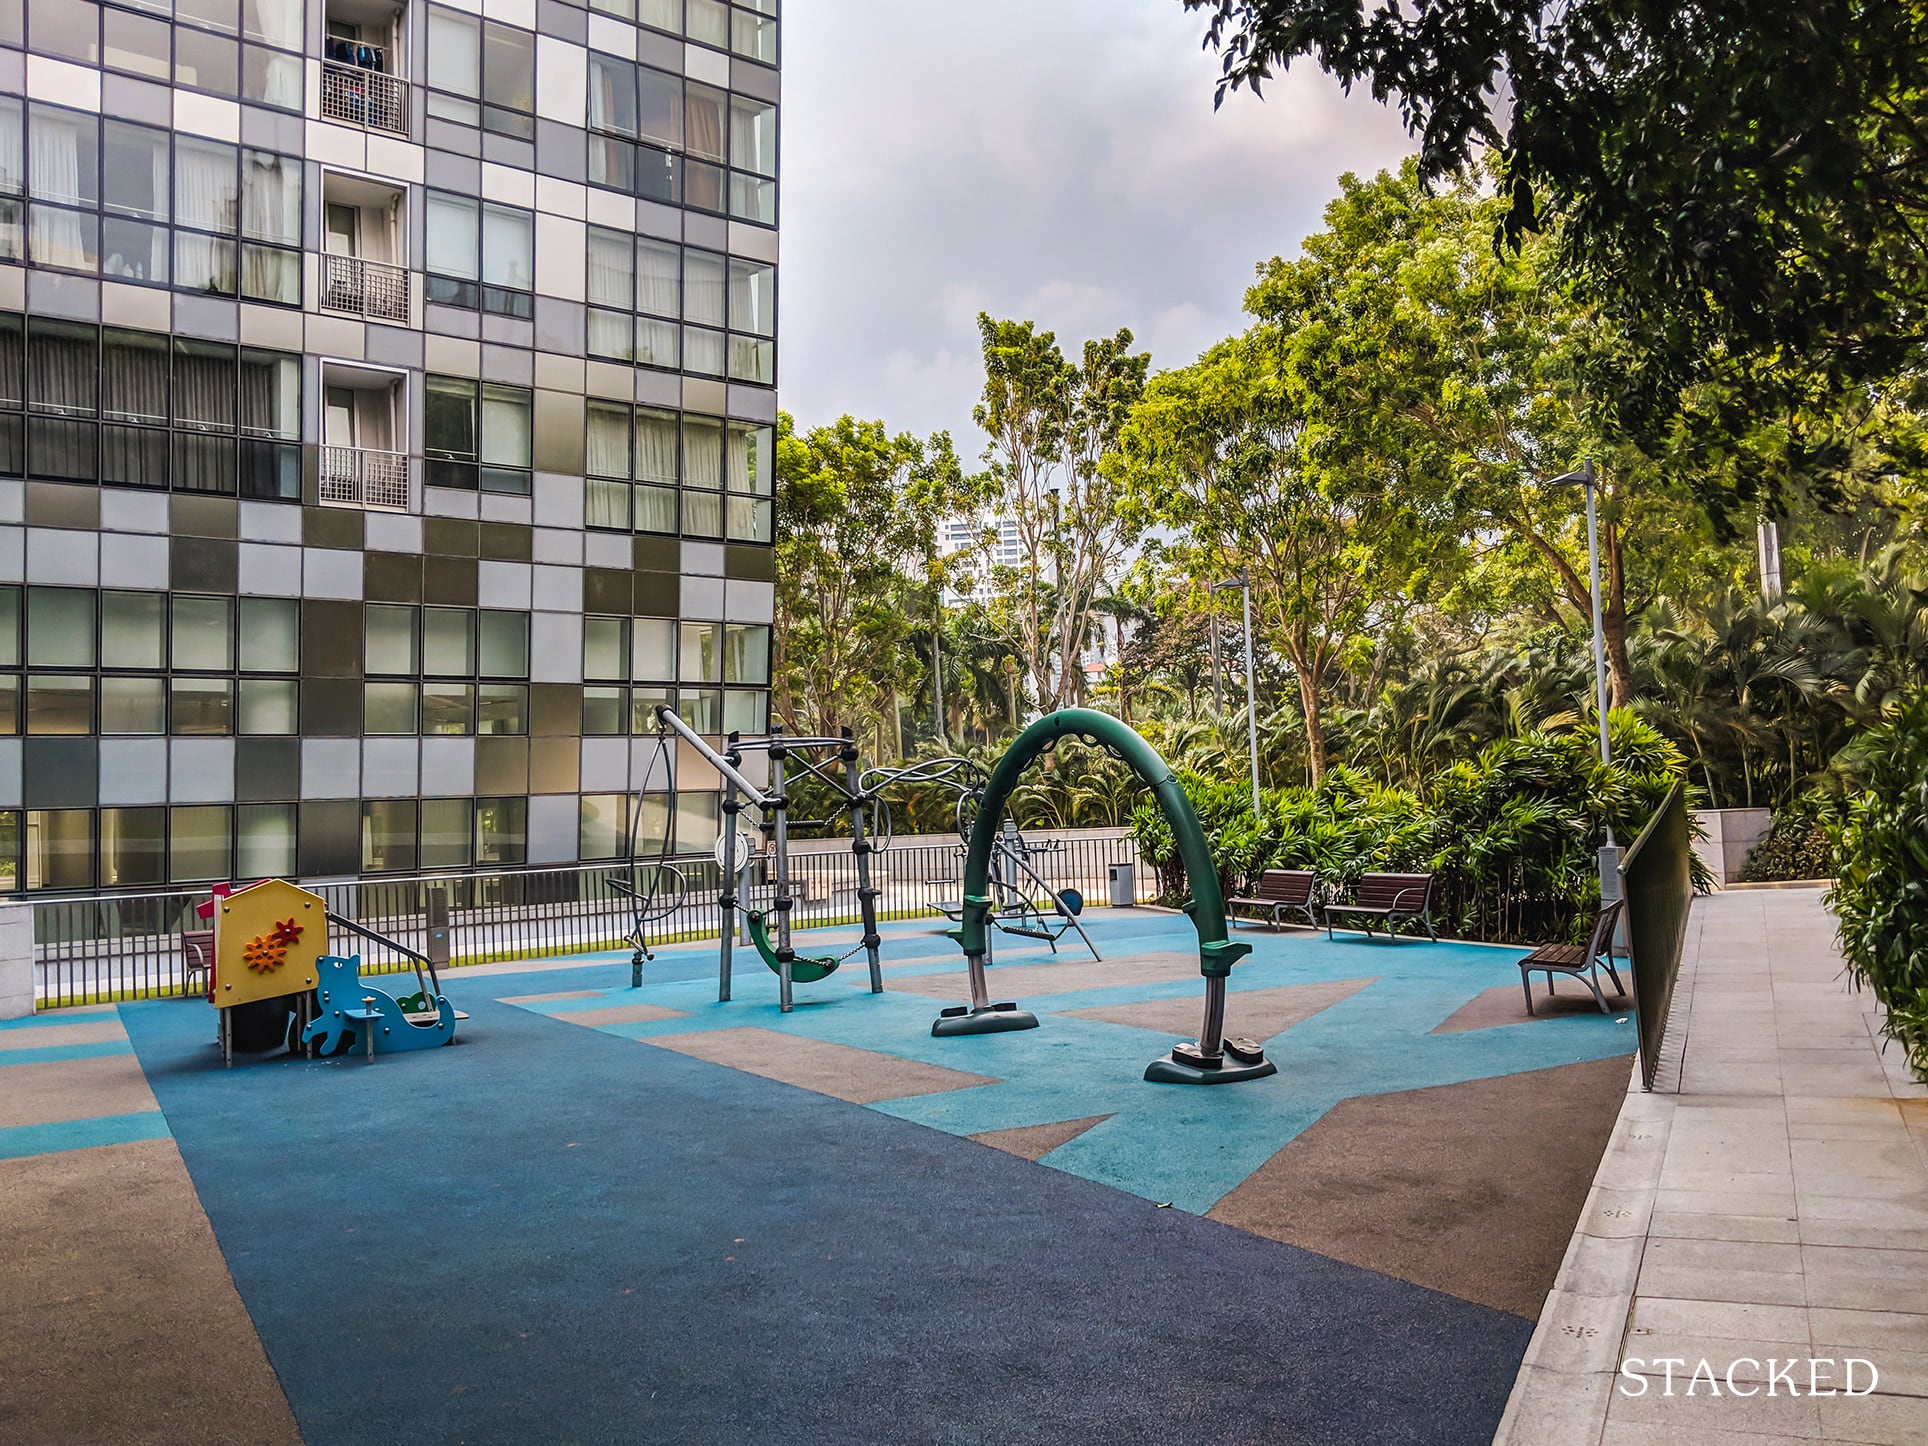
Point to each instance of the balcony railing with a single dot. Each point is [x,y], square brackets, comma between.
[361,477]
[363,97]
[364,288]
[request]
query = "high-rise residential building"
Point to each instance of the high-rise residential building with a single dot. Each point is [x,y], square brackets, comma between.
[387,397]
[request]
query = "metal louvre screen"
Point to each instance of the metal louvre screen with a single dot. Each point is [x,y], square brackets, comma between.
[1656,880]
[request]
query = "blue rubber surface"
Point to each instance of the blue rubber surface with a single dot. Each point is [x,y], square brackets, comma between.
[550,1233]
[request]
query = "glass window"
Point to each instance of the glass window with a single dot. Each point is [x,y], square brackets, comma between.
[506,438]
[63,365]
[204,385]
[659,107]
[753,135]
[605,826]
[508,79]
[206,185]
[201,706]
[388,835]
[604,647]
[508,259]
[198,843]
[391,640]
[203,634]
[270,635]
[264,840]
[133,630]
[64,156]
[449,418]
[753,290]
[448,709]
[9,849]
[134,162]
[133,847]
[206,62]
[454,236]
[60,703]
[222,15]
[612,94]
[454,64]
[655,649]
[278,22]
[501,830]
[746,712]
[447,830]
[502,708]
[270,403]
[656,449]
[269,706]
[605,711]
[134,377]
[448,642]
[60,848]
[505,644]
[60,627]
[707,21]
[644,700]
[701,708]
[700,658]
[9,627]
[746,653]
[754,35]
[704,110]
[389,708]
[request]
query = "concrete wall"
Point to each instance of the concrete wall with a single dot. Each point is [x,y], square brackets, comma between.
[1731,835]
[16,961]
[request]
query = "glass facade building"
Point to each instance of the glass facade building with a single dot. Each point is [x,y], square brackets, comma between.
[387,414]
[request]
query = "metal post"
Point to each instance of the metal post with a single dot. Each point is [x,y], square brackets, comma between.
[1251,693]
[866,894]
[778,805]
[728,868]
[1211,1037]
[1768,534]
[1599,633]
[1218,692]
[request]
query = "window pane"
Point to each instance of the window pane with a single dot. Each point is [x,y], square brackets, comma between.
[655,509]
[700,660]
[508,241]
[612,94]
[501,830]
[198,846]
[509,67]
[605,711]
[643,703]
[753,135]
[206,62]
[605,504]
[133,705]
[608,439]
[655,446]
[746,653]
[448,709]
[9,627]
[659,106]
[707,21]
[454,52]
[389,708]
[204,263]
[202,706]
[60,703]
[453,235]
[63,368]
[605,831]
[603,647]
[746,712]
[659,278]
[60,848]
[276,21]
[64,154]
[134,377]
[60,627]
[271,395]
[753,289]
[703,278]
[270,635]
[206,177]
[203,634]
[747,460]
[135,163]
[133,847]
[446,831]
[133,630]
[271,197]
[391,639]
[204,385]
[703,112]
[655,649]
[264,841]
[448,418]
[222,15]
[612,264]
[702,452]
[271,77]
[505,426]
[269,706]
[502,708]
[505,644]
[388,835]
[701,708]
[448,641]
[696,821]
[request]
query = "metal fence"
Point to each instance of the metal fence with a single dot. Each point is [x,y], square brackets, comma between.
[130,946]
[1656,879]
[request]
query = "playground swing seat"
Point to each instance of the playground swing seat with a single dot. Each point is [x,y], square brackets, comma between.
[804,968]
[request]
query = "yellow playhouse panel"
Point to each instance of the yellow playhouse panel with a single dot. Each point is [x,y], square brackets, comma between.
[267,938]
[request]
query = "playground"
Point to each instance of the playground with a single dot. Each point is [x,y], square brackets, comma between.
[609,1213]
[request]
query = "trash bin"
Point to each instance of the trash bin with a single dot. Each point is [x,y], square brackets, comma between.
[1124,885]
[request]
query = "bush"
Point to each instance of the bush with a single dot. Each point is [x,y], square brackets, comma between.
[1881,889]
[1799,845]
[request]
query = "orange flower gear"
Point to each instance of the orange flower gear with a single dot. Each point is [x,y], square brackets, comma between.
[265,953]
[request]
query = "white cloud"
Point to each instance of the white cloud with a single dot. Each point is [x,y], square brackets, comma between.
[1057,160]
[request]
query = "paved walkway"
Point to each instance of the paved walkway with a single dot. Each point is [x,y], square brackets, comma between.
[1775,1209]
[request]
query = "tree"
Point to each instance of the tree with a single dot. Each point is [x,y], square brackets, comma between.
[1743,187]
[855,521]
[1221,450]
[1053,429]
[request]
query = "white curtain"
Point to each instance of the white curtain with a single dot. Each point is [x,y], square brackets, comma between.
[276,21]
[506,248]
[205,182]
[655,446]
[608,445]
[271,395]
[13,134]
[656,342]
[134,377]
[709,22]
[611,269]
[704,110]
[753,135]
[752,288]
[454,52]
[271,211]
[453,237]
[702,452]
[204,385]
[505,426]
[62,157]
[273,78]
[659,283]
[61,368]
[703,283]
[663,14]
[736,458]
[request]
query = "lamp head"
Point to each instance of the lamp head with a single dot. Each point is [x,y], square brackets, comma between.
[1585,477]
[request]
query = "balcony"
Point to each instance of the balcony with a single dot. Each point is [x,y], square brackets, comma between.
[359,96]
[361,287]
[363,477]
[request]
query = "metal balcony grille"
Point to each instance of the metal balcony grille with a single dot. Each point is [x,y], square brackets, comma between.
[364,288]
[364,97]
[359,477]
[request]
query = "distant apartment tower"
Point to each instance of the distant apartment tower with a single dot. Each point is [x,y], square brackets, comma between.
[964,534]
[387,396]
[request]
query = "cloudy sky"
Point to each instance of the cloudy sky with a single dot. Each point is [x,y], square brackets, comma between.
[1056,160]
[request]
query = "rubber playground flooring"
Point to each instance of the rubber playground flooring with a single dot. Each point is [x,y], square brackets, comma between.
[626,1215]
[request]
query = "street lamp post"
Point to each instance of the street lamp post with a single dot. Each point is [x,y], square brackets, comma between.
[1587,478]
[1243,582]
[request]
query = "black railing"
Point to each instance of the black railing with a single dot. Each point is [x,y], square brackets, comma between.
[1656,879]
[129,946]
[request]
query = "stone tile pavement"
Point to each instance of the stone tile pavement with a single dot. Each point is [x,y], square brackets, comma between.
[1772,1211]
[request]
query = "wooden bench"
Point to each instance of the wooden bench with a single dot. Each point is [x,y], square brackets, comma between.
[1582,962]
[1394,898]
[1280,892]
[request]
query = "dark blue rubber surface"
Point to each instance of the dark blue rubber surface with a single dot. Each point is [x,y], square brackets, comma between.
[548,1233]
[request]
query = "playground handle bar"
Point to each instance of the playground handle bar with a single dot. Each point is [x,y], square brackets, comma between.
[667,719]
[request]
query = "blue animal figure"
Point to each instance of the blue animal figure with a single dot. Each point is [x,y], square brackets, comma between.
[341,990]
